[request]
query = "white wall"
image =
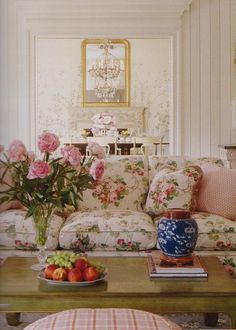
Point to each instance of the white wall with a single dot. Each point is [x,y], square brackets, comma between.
[207,69]
[58,81]
[24,22]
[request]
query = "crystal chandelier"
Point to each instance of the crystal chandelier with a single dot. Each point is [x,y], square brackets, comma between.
[106,72]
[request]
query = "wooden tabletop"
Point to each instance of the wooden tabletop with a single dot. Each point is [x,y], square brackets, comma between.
[127,285]
[123,275]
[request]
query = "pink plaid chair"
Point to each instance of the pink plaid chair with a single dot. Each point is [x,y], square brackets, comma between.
[103,319]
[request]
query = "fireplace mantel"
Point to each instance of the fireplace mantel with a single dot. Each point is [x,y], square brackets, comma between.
[132,118]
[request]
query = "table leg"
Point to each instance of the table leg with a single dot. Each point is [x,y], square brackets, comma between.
[13,318]
[211,319]
[233,319]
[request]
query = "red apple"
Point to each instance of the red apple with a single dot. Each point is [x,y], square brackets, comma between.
[67,270]
[48,271]
[90,274]
[59,274]
[75,275]
[82,263]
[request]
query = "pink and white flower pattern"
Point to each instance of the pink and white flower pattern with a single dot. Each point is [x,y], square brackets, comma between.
[173,189]
[111,191]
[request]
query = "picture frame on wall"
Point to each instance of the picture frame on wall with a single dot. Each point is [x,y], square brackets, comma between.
[105,72]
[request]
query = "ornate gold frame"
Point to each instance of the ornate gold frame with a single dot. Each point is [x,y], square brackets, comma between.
[86,102]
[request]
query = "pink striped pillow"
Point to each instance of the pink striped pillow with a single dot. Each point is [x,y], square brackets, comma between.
[217,191]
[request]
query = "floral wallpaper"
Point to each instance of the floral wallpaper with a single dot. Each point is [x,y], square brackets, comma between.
[59,84]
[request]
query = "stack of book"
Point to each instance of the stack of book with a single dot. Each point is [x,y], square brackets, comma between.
[158,269]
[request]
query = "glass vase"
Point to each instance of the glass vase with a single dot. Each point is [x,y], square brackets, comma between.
[41,234]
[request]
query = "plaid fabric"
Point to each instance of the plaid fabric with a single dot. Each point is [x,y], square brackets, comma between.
[103,319]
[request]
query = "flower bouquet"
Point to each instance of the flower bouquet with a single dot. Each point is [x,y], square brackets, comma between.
[104,124]
[48,184]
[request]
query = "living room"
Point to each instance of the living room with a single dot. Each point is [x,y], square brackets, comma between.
[180,85]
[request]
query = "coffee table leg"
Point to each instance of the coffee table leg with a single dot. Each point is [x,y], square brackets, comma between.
[13,318]
[211,319]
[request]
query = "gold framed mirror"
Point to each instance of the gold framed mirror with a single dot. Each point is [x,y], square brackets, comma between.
[105,72]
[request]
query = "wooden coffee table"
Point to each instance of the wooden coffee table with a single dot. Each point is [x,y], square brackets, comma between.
[127,286]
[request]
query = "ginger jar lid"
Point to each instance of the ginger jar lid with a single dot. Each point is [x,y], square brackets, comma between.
[177,213]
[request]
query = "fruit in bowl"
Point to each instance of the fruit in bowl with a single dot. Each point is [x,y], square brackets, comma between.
[69,266]
[59,274]
[75,275]
[90,274]
[82,263]
[48,271]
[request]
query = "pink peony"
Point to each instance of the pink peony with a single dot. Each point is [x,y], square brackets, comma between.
[72,155]
[38,169]
[48,142]
[97,169]
[96,150]
[1,148]
[17,151]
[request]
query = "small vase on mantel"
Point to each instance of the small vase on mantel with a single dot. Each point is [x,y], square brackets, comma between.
[177,236]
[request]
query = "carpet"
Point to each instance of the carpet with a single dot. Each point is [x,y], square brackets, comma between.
[188,321]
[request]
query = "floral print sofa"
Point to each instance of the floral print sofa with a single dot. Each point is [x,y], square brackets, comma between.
[113,216]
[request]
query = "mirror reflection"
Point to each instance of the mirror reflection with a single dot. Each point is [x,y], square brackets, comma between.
[105,67]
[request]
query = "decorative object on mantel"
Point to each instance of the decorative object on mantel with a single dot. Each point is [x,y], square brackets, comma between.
[177,236]
[104,124]
[105,72]
[45,185]
[131,118]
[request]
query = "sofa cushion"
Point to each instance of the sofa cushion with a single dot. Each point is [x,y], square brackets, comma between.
[217,191]
[204,160]
[156,164]
[214,232]
[108,230]
[18,232]
[124,185]
[173,189]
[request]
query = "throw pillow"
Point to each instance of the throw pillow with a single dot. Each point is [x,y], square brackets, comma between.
[173,190]
[217,191]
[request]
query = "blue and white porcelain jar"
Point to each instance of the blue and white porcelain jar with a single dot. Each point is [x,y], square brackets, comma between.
[177,233]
